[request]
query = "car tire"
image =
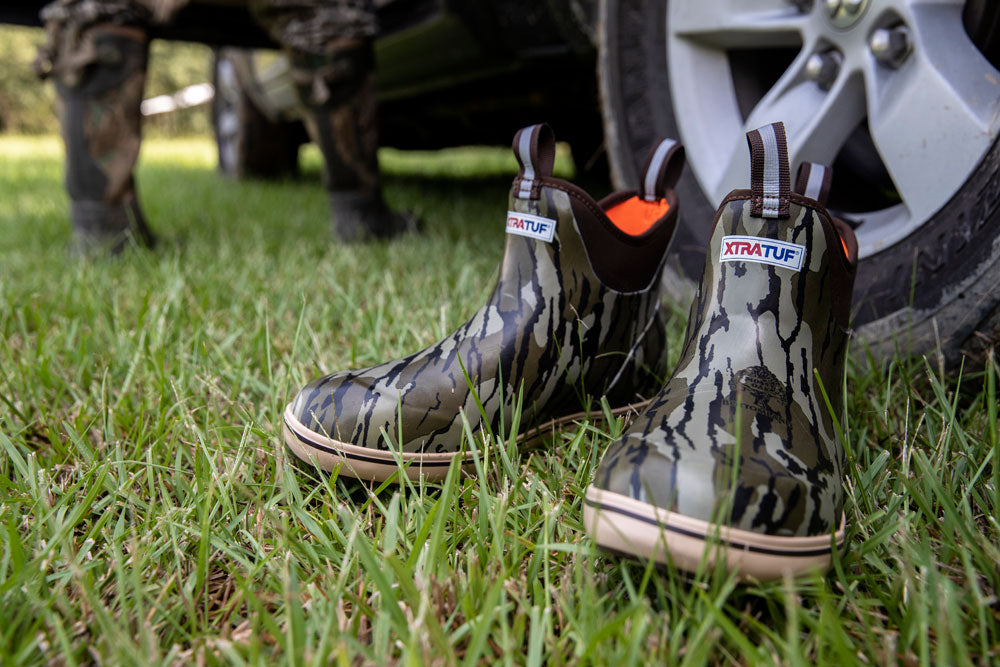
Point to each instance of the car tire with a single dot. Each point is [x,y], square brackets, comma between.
[250,144]
[935,291]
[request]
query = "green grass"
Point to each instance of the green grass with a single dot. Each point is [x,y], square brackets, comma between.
[150,513]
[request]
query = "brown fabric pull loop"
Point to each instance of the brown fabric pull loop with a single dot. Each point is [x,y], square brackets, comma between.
[663,169]
[769,174]
[535,150]
[814,181]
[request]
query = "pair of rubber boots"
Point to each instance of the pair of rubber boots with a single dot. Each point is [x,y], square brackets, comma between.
[734,460]
[100,89]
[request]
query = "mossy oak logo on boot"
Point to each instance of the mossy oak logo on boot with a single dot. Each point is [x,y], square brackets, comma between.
[762,251]
[758,389]
[532,226]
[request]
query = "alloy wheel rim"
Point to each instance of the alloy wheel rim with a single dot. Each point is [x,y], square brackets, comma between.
[931,100]
[227,120]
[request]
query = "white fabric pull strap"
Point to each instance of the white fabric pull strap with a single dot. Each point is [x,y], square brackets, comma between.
[769,174]
[535,150]
[663,168]
[813,181]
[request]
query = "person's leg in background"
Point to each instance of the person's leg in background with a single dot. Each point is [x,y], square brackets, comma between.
[333,63]
[97,52]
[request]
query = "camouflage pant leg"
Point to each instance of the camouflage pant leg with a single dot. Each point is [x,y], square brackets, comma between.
[333,68]
[341,114]
[330,46]
[97,53]
[316,26]
[100,118]
[68,51]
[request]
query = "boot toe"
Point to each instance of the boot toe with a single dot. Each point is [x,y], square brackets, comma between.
[756,499]
[356,407]
[315,409]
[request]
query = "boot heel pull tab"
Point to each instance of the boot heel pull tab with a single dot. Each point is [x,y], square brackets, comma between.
[769,175]
[813,181]
[663,169]
[535,149]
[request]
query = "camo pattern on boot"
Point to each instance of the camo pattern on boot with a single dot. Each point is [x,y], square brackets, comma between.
[739,449]
[748,362]
[552,327]
[550,324]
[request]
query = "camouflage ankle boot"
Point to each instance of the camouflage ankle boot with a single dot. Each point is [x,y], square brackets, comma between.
[99,88]
[575,311]
[338,90]
[738,451]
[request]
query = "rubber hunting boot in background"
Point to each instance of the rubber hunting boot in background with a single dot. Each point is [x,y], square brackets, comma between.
[338,91]
[737,458]
[98,105]
[575,311]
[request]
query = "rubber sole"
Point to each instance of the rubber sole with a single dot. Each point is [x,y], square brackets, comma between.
[378,464]
[637,528]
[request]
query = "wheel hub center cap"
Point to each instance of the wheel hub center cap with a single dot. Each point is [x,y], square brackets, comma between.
[844,14]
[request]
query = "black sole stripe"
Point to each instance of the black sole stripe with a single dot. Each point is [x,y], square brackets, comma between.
[701,536]
[367,459]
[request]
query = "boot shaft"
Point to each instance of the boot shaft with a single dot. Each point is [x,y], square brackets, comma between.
[775,296]
[587,286]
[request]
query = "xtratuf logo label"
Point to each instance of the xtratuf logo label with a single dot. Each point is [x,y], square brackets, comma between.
[532,226]
[762,251]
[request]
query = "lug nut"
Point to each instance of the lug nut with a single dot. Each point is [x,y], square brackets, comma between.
[845,13]
[891,46]
[823,68]
[852,7]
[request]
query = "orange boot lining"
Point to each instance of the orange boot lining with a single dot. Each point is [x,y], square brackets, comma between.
[635,215]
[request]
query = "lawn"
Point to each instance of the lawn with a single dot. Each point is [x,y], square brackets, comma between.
[150,513]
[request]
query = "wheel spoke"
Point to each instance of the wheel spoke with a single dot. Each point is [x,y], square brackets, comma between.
[933,118]
[817,121]
[228,124]
[226,75]
[727,24]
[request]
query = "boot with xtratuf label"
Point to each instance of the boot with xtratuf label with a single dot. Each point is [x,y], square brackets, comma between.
[737,458]
[576,310]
